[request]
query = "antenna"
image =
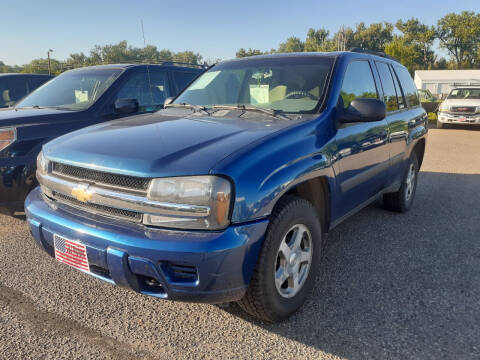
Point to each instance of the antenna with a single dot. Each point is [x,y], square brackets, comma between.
[148,69]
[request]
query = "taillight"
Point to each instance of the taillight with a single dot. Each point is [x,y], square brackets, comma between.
[7,137]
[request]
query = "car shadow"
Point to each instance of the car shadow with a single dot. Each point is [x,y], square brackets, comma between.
[471,127]
[399,285]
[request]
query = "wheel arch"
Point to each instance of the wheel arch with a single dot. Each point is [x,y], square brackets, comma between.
[419,150]
[317,191]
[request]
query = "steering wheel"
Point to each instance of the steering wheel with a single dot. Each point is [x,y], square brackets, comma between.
[300,93]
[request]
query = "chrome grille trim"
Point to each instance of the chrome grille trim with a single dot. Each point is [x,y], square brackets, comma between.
[97,209]
[119,200]
[463,110]
[130,183]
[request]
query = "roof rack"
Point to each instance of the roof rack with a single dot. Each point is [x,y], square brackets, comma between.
[65,66]
[167,63]
[371,52]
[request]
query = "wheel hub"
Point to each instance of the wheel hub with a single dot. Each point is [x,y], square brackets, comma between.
[293,261]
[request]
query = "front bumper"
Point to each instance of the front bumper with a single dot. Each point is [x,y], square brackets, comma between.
[195,266]
[458,119]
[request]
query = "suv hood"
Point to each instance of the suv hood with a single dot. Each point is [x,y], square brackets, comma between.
[158,145]
[16,117]
[462,102]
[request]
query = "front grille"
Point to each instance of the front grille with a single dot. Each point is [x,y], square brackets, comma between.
[463,109]
[83,174]
[98,209]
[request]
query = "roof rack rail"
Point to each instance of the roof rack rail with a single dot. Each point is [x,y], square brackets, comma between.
[167,63]
[371,52]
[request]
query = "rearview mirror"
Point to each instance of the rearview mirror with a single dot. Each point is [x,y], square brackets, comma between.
[126,106]
[364,110]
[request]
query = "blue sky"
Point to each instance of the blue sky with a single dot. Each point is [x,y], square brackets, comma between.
[215,29]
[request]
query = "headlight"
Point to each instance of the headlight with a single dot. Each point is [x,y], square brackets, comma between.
[7,137]
[197,202]
[42,163]
[444,108]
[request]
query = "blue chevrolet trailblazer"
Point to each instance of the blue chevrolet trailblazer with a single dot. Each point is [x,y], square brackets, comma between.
[227,194]
[73,100]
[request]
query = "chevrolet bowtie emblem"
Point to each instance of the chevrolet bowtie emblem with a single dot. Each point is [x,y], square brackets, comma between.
[82,193]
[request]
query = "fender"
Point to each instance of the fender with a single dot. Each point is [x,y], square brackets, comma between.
[268,169]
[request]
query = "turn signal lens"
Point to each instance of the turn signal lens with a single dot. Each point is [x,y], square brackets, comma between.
[7,137]
[444,108]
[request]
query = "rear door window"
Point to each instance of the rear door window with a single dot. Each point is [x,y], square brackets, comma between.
[150,89]
[358,82]
[182,79]
[408,86]
[12,89]
[400,98]
[35,82]
[389,92]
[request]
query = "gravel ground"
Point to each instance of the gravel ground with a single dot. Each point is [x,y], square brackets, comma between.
[393,286]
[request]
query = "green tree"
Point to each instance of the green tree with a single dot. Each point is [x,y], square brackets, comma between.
[420,35]
[316,40]
[407,53]
[40,66]
[187,57]
[459,34]
[9,69]
[293,44]
[374,37]
[250,52]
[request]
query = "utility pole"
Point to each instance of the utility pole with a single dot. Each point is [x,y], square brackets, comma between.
[342,39]
[49,66]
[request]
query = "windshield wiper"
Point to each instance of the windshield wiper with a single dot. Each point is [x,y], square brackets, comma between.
[195,108]
[31,107]
[271,112]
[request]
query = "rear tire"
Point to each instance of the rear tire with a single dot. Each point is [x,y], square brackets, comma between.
[288,262]
[402,200]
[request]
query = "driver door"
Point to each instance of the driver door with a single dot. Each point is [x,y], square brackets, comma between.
[362,147]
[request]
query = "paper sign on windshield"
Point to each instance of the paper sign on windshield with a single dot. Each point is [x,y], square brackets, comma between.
[81,96]
[259,94]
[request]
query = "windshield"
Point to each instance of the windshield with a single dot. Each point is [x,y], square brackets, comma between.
[465,94]
[285,84]
[72,90]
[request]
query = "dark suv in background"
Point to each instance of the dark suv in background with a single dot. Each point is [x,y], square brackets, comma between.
[75,99]
[14,87]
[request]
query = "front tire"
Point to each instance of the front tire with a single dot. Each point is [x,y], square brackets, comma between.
[288,262]
[402,200]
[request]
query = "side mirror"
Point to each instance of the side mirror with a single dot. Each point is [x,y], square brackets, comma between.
[126,106]
[167,101]
[364,110]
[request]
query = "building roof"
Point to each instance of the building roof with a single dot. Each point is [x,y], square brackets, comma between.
[448,75]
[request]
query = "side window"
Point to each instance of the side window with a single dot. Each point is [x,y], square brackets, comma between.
[401,100]
[182,79]
[408,86]
[389,93]
[150,89]
[12,90]
[358,82]
[35,82]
